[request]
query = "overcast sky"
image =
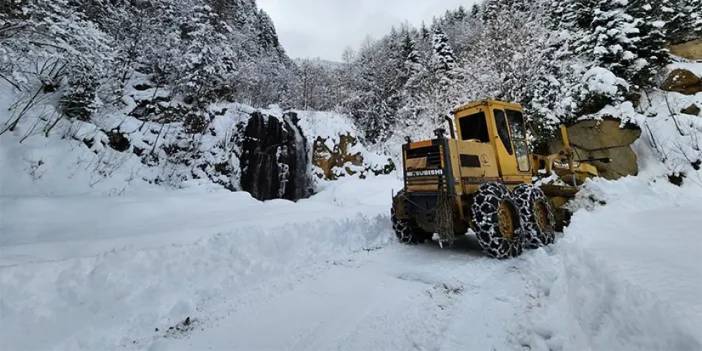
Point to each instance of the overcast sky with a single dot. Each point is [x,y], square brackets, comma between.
[324,28]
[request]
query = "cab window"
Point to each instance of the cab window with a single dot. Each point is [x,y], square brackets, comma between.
[516,124]
[503,130]
[519,136]
[474,127]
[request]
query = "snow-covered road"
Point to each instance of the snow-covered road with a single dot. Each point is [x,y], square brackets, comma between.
[109,273]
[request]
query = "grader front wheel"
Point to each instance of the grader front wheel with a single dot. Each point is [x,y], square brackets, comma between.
[537,216]
[496,222]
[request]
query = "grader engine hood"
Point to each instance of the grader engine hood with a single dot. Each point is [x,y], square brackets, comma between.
[429,186]
[420,165]
[424,166]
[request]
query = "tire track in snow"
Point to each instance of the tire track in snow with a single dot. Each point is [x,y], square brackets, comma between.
[395,298]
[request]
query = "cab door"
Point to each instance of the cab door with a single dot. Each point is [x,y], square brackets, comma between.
[511,145]
[474,154]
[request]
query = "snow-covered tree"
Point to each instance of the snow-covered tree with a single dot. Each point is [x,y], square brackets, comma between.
[413,69]
[415,75]
[651,46]
[574,15]
[443,60]
[474,11]
[490,9]
[683,19]
[55,49]
[613,38]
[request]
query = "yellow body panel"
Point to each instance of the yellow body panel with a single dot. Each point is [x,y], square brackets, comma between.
[507,166]
[468,179]
[474,162]
[495,161]
[420,144]
[485,161]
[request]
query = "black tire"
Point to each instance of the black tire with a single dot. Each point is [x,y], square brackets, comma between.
[537,216]
[407,232]
[496,222]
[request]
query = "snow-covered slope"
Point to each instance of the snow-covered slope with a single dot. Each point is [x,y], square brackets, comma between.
[670,139]
[77,157]
[326,274]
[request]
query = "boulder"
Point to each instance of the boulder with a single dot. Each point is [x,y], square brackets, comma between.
[601,139]
[274,158]
[330,158]
[682,81]
[691,50]
[691,110]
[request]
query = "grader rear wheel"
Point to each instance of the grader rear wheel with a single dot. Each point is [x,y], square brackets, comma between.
[407,232]
[505,220]
[496,222]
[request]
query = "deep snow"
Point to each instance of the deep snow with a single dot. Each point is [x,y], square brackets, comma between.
[105,272]
[95,272]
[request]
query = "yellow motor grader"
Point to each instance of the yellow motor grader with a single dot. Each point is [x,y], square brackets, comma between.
[480,179]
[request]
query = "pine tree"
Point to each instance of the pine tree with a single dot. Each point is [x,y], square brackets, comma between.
[475,11]
[444,74]
[693,9]
[490,9]
[443,58]
[683,19]
[414,71]
[460,14]
[409,53]
[613,39]
[651,46]
[268,38]
[425,33]
[575,14]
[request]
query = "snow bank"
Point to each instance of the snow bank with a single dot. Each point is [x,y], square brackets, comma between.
[87,303]
[100,271]
[626,275]
[580,304]
[54,166]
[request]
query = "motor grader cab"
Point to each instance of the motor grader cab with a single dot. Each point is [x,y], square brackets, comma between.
[479,178]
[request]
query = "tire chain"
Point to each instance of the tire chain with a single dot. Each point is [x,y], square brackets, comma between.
[534,237]
[485,221]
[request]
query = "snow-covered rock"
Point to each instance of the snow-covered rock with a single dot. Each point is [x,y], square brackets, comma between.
[682,81]
[691,50]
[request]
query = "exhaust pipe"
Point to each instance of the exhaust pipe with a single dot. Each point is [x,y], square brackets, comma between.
[451,128]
